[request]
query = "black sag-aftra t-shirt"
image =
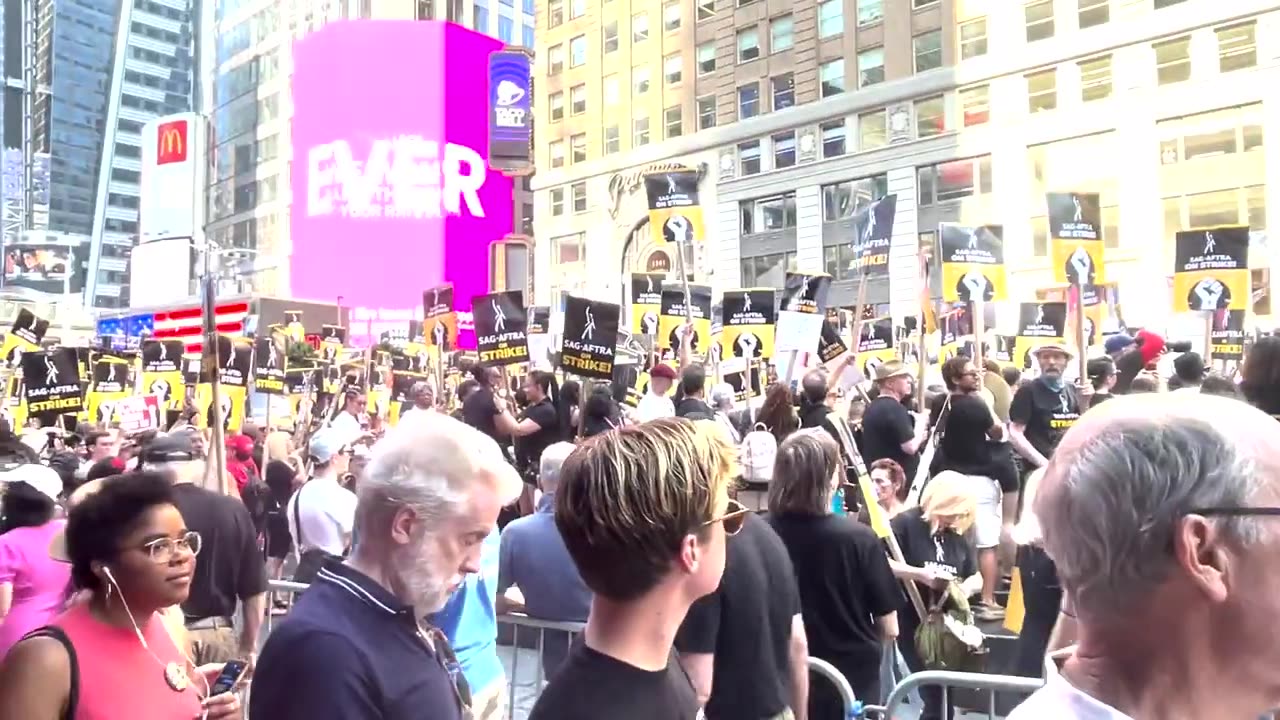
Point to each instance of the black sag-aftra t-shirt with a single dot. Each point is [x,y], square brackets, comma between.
[964,433]
[593,686]
[746,624]
[923,548]
[1047,414]
[886,424]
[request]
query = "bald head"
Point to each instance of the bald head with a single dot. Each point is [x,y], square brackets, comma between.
[1117,494]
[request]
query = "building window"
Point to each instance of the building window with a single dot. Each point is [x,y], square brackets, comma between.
[640,132]
[612,93]
[526,36]
[1095,78]
[748,101]
[767,270]
[578,148]
[781,34]
[612,141]
[579,193]
[1042,90]
[873,130]
[555,13]
[569,249]
[1173,61]
[975,105]
[578,99]
[1039,20]
[557,153]
[844,199]
[784,150]
[831,75]
[578,51]
[639,27]
[784,91]
[1214,139]
[767,214]
[706,112]
[1166,3]
[480,23]
[928,51]
[707,58]
[870,68]
[1237,47]
[833,138]
[557,202]
[1084,163]
[870,12]
[674,121]
[555,59]
[640,80]
[555,106]
[706,9]
[748,44]
[749,158]
[954,180]
[931,117]
[830,18]
[671,17]
[1094,12]
[918,4]
[577,8]
[672,67]
[610,37]
[973,38]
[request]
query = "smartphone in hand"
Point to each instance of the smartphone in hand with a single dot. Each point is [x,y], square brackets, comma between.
[229,677]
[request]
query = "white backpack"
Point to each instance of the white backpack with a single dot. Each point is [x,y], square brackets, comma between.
[757,453]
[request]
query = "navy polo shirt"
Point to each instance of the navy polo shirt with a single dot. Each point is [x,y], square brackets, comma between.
[349,649]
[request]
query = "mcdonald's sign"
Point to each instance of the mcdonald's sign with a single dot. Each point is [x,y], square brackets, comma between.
[171,142]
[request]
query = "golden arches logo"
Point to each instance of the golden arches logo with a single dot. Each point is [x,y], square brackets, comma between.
[171,142]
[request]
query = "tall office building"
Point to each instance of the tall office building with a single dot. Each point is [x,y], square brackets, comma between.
[798,114]
[248,194]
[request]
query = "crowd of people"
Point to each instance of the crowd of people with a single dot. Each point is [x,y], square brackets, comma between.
[711,547]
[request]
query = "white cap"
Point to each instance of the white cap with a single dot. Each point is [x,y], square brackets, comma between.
[41,478]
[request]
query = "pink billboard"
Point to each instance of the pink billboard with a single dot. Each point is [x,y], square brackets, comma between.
[391,190]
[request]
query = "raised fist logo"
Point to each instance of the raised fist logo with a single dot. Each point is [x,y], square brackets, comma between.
[1209,294]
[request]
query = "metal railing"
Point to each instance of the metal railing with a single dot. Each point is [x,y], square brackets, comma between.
[954,682]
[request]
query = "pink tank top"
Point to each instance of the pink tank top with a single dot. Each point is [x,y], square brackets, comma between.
[119,678]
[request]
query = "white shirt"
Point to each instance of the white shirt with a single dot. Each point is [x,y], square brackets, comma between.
[654,407]
[1060,700]
[347,424]
[327,515]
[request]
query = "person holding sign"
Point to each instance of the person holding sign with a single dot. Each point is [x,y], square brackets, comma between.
[1044,409]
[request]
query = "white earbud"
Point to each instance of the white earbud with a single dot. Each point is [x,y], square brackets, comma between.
[107,571]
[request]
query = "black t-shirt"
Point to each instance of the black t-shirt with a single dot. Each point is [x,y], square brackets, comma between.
[230,567]
[1047,414]
[746,624]
[591,685]
[529,448]
[694,409]
[964,440]
[845,584]
[479,411]
[923,549]
[886,424]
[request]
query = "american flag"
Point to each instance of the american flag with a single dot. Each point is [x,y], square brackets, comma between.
[187,324]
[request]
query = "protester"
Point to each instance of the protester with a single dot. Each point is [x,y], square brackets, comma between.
[538,425]
[600,412]
[321,513]
[818,396]
[1117,344]
[99,445]
[1260,375]
[464,391]
[1188,372]
[1012,377]
[66,463]
[480,409]
[1102,374]
[887,428]
[1215,384]
[353,645]
[1144,383]
[1156,511]
[732,420]
[644,512]
[240,464]
[421,399]
[351,419]
[282,477]
[778,412]
[1045,408]
[656,404]
[131,551]
[891,487]
[1041,591]
[1136,358]
[32,585]
[693,384]
[848,595]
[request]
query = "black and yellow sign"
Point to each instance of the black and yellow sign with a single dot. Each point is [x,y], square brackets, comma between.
[876,345]
[25,335]
[15,404]
[112,382]
[416,357]
[1226,337]
[1075,238]
[51,382]
[747,383]
[675,214]
[806,293]
[84,363]
[192,367]
[749,319]
[501,328]
[1038,324]
[269,364]
[830,344]
[401,386]
[439,319]
[673,315]
[972,263]
[590,337]
[378,382]
[332,340]
[953,326]
[301,383]
[235,361]
[539,319]
[873,236]
[293,327]
[1002,348]
[231,401]
[1211,270]
[646,303]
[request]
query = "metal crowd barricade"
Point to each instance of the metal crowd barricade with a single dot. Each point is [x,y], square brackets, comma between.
[531,634]
[852,708]
[277,590]
[954,682]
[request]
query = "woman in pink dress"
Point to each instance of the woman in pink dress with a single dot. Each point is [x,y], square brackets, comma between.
[32,585]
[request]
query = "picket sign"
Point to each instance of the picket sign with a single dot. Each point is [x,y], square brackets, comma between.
[138,413]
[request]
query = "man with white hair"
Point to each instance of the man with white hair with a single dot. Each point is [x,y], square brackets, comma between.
[1159,512]
[428,499]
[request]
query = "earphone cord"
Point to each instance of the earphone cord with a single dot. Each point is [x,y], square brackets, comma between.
[147,647]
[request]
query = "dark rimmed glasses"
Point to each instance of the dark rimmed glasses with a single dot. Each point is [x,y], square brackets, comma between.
[734,516]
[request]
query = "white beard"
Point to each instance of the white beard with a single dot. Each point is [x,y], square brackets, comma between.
[426,591]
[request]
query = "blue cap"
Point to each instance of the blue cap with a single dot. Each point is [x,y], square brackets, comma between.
[327,442]
[1116,343]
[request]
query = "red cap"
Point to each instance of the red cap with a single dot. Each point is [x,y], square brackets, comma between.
[663,370]
[1150,345]
[240,443]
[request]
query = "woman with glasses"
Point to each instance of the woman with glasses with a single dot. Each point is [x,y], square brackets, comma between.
[848,596]
[111,656]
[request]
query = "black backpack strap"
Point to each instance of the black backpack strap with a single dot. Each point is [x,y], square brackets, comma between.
[73,694]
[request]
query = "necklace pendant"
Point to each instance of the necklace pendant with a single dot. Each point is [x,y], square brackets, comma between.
[175,676]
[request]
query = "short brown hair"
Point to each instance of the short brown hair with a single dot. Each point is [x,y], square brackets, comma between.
[897,475]
[807,461]
[628,498]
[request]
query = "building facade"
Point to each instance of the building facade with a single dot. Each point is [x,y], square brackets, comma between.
[249,181]
[968,111]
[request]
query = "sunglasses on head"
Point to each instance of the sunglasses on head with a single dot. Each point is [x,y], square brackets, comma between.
[735,514]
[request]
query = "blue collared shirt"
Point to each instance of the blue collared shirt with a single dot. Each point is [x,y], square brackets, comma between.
[350,649]
[535,559]
[471,623]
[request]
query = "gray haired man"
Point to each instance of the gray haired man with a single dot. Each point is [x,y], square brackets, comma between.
[1161,514]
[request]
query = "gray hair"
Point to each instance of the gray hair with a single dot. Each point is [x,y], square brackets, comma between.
[722,396]
[1110,518]
[552,460]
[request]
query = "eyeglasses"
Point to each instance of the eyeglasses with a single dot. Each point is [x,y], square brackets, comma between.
[1237,512]
[163,550]
[734,516]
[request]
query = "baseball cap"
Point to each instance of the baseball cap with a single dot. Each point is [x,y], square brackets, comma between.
[1117,342]
[170,447]
[328,442]
[664,371]
[41,478]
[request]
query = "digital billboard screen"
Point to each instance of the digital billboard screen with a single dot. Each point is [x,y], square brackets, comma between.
[392,193]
